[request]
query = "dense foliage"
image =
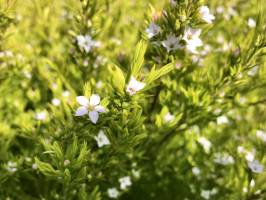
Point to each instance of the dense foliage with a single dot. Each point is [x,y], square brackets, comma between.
[131,99]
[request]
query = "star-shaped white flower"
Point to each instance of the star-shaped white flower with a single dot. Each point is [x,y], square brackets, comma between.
[134,86]
[125,182]
[255,166]
[101,139]
[206,15]
[90,106]
[191,36]
[169,117]
[113,193]
[172,43]
[85,42]
[251,23]
[152,30]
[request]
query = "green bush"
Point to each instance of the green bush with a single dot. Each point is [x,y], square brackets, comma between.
[128,99]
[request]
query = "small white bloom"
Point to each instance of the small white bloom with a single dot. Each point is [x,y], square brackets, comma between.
[66,93]
[56,102]
[41,116]
[205,194]
[250,155]
[206,144]
[134,86]
[196,171]
[34,166]
[222,120]
[99,84]
[27,74]
[86,42]
[169,117]
[153,30]
[223,159]
[251,23]
[191,36]
[220,9]
[206,15]
[252,183]
[11,166]
[241,149]
[101,139]
[253,71]
[255,166]
[66,162]
[172,2]
[261,135]
[90,106]
[125,182]
[172,43]
[113,193]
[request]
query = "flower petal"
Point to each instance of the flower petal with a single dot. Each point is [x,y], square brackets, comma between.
[100,109]
[81,111]
[82,100]
[94,116]
[94,99]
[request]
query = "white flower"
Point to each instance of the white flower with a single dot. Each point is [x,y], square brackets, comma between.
[205,194]
[223,159]
[253,71]
[41,116]
[113,193]
[220,9]
[206,15]
[66,162]
[222,120]
[251,23]
[169,117]
[125,182]
[191,36]
[196,171]
[255,166]
[66,93]
[261,135]
[153,30]
[34,166]
[101,139]
[241,149]
[250,155]
[90,106]
[56,102]
[205,143]
[86,42]
[11,166]
[134,86]
[252,183]
[172,43]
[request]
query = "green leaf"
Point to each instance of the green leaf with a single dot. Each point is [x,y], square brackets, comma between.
[46,168]
[156,74]
[117,78]
[138,58]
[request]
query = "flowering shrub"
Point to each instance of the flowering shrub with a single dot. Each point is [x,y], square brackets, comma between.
[120,99]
